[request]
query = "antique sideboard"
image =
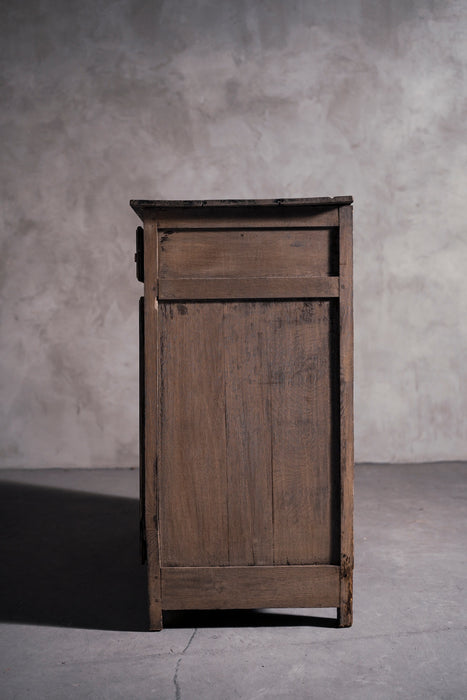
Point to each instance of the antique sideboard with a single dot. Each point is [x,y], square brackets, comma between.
[246,366]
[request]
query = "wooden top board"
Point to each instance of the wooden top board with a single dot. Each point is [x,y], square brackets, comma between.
[144,206]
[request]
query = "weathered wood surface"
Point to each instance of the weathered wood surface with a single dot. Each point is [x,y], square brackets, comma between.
[248,432]
[304,473]
[247,429]
[146,207]
[248,405]
[248,288]
[245,218]
[240,254]
[250,587]
[346,414]
[151,423]
[193,507]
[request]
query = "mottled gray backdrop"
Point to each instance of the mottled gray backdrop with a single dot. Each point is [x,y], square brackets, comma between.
[103,101]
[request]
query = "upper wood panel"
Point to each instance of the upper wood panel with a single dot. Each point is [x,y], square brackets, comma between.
[244,217]
[248,253]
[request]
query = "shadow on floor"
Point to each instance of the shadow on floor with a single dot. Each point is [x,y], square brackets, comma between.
[71,559]
[243,618]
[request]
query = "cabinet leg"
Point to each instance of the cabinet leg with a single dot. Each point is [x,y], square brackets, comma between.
[155,617]
[345,609]
[154,592]
[344,616]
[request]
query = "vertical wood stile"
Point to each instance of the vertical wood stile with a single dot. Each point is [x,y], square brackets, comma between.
[346,414]
[152,422]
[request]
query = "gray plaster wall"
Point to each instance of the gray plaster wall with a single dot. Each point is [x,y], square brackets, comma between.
[105,101]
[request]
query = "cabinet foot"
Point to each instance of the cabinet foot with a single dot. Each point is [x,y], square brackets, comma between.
[155,618]
[344,616]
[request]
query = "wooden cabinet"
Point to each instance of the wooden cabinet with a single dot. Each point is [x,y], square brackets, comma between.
[246,403]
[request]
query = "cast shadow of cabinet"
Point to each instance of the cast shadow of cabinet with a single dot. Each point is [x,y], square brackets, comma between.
[72,559]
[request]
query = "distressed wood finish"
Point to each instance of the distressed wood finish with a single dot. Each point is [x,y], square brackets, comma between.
[250,587]
[150,208]
[249,452]
[247,430]
[235,213]
[304,475]
[247,414]
[193,507]
[249,288]
[246,253]
[151,423]
[245,218]
[345,611]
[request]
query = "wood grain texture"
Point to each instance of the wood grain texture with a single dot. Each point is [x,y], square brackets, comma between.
[248,288]
[346,415]
[248,433]
[193,509]
[248,471]
[151,423]
[234,208]
[247,253]
[250,587]
[248,418]
[147,206]
[245,217]
[304,475]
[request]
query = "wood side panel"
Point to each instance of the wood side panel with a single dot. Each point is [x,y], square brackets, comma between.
[193,509]
[248,481]
[249,288]
[246,217]
[346,415]
[247,253]
[248,427]
[151,423]
[250,587]
[303,472]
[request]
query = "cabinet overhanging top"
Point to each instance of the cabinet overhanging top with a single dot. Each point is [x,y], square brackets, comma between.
[145,206]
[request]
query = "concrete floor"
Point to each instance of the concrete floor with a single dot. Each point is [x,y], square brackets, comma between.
[73,609]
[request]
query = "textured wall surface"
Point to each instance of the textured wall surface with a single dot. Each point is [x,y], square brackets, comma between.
[104,100]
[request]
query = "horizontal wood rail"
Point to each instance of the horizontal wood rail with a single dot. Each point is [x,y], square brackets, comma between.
[250,587]
[248,288]
[246,217]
